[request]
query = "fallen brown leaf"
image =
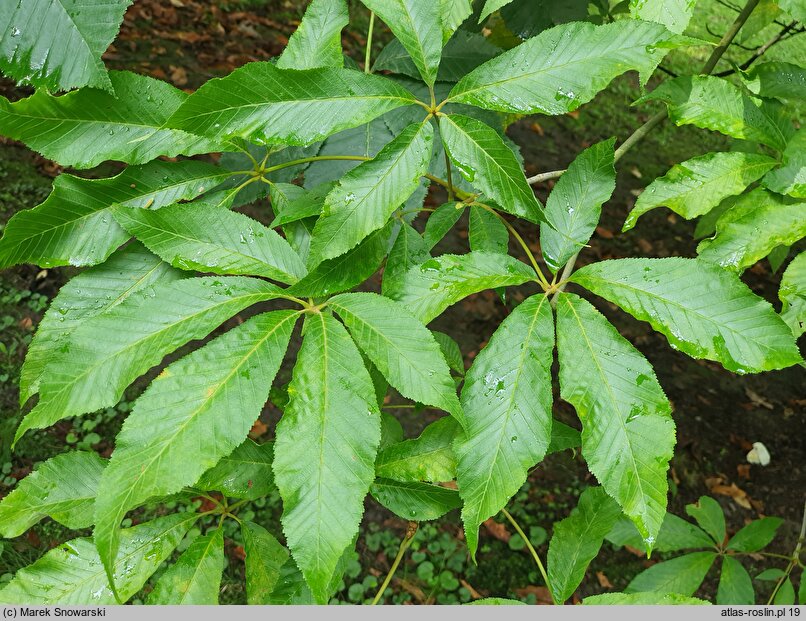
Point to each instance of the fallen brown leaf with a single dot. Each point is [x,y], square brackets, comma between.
[258,429]
[473,592]
[497,530]
[603,580]
[540,592]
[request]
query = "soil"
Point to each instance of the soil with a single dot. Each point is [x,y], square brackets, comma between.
[719,415]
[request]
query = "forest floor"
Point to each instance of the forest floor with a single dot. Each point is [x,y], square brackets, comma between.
[719,415]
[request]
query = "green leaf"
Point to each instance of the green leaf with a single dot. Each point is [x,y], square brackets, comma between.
[627,429]
[86,127]
[643,599]
[490,7]
[365,197]
[265,558]
[74,225]
[93,292]
[299,205]
[451,351]
[802,590]
[791,177]
[419,27]
[64,488]
[506,401]
[696,186]
[777,79]
[419,502]
[196,412]
[496,601]
[271,106]
[333,419]
[710,517]
[785,595]
[793,295]
[100,360]
[675,534]
[213,240]
[735,585]
[747,232]
[674,14]
[487,233]
[575,204]
[563,437]
[453,13]
[195,578]
[564,67]
[772,574]
[429,457]
[577,539]
[795,8]
[401,347]
[430,288]
[73,575]
[317,41]
[408,250]
[716,104]
[463,53]
[485,160]
[703,310]
[756,535]
[245,473]
[348,270]
[57,44]
[682,575]
[440,222]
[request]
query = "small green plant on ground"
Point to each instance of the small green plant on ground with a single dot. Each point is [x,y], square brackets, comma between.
[169,261]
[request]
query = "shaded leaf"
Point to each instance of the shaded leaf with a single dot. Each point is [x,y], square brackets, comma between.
[793,295]
[265,557]
[440,222]
[643,599]
[195,578]
[703,310]
[506,401]
[429,457]
[577,539]
[675,534]
[244,473]
[735,585]
[487,233]
[791,177]
[419,502]
[451,351]
[756,535]
[710,517]
[63,488]
[682,575]
[777,79]
[408,250]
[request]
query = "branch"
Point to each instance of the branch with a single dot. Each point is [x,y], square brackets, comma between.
[763,49]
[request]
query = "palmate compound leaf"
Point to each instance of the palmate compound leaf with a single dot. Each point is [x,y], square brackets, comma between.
[325,450]
[57,44]
[703,310]
[317,41]
[627,430]
[419,27]
[272,106]
[485,160]
[196,412]
[716,104]
[63,488]
[86,127]
[695,187]
[575,204]
[93,368]
[73,575]
[195,578]
[365,197]
[430,288]
[93,292]
[506,402]
[577,539]
[674,14]
[564,67]
[74,226]
[753,227]
[793,295]
[400,347]
[213,240]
